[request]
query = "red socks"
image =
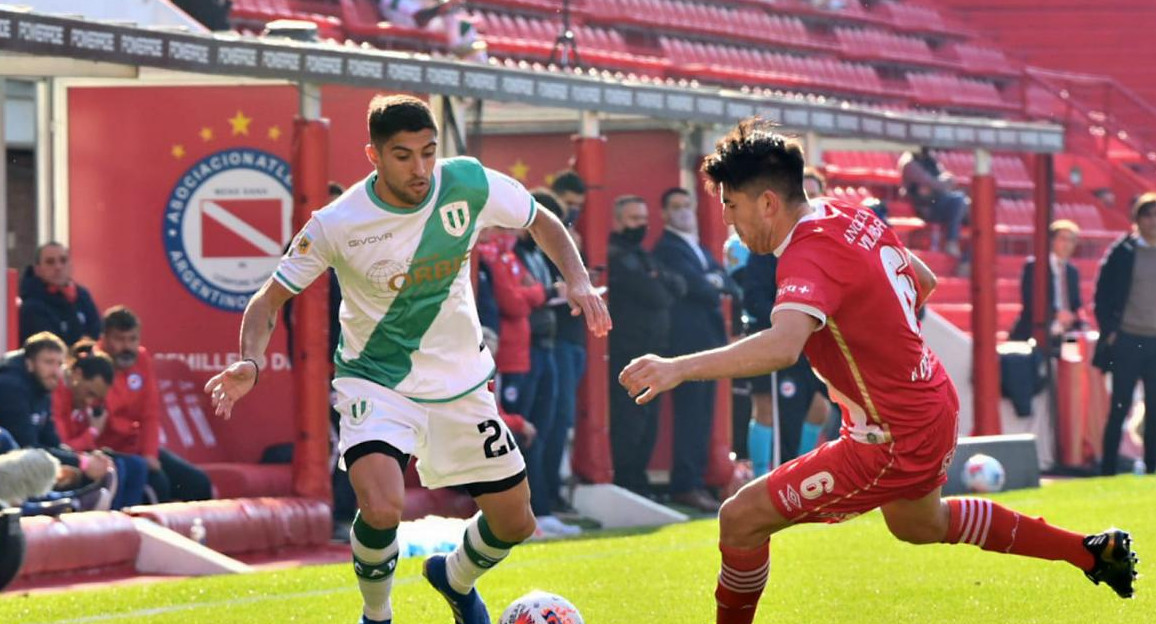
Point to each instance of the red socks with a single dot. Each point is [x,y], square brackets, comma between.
[740,583]
[985,524]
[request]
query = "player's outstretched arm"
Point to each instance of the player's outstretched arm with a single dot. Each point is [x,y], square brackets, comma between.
[553,238]
[926,277]
[228,386]
[769,350]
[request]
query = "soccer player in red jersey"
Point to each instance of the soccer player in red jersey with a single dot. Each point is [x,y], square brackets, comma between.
[847,296]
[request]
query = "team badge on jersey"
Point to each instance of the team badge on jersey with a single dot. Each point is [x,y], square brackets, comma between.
[226,223]
[455,217]
[359,410]
[304,244]
[135,381]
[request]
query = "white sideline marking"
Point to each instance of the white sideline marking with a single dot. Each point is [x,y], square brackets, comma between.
[350,588]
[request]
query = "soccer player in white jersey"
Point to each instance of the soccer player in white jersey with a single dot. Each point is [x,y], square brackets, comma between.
[412,372]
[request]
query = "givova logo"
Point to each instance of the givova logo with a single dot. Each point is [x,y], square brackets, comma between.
[226,223]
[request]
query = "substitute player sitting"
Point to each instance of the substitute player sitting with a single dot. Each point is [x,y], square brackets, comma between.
[847,295]
[411,368]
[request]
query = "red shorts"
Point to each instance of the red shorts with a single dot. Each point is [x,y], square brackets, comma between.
[844,478]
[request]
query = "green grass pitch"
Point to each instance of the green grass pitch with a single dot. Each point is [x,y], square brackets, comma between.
[854,573]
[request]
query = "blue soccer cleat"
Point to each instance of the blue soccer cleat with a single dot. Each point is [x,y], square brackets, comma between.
[366,620]
[468,608]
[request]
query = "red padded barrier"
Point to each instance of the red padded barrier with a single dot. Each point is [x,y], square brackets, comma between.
[94,541]
[233,480]
[247,525]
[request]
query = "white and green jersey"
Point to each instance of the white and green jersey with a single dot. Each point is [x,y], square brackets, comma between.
[408,318]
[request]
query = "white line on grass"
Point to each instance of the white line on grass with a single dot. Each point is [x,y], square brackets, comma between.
[146,613]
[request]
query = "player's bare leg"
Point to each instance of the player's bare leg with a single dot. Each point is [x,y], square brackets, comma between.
[1106,557]
[746,522]
[380,486]
[505,521]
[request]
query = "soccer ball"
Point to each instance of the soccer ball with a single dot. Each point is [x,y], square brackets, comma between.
[539,607]
[983,474]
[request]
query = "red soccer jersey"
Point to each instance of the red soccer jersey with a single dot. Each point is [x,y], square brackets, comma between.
[845,267]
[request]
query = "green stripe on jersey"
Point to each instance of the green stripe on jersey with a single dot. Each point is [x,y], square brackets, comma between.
[442,250]
[286,283]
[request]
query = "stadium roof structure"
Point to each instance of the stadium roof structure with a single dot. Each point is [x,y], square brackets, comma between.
[30,41]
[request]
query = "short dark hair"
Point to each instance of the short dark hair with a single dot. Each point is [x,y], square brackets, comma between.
[753,153]
[548,200]
[120,318]
[391,114]
[90,362]
[1145,200]
[42,341]
[568,181]
[671,192]
[336,189]
[40,249]
[622,201]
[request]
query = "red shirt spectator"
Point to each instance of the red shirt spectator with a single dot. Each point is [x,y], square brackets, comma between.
[517,294]
[77,402]
[133,405]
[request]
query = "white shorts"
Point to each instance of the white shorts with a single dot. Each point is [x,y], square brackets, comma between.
[458,442]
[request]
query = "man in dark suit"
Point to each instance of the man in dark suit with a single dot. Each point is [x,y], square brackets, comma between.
[641,294]
[696,324]
[1064,295]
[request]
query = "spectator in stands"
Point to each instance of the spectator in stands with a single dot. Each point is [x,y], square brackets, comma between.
[134,408]
[446,15]
[570,189]
[1063,292]
[696,324]
[80,417]
[538,391]
[27,379]
[569,363]
[932,192]
[51,301]
[1126,312]
[518,295]
[641,295]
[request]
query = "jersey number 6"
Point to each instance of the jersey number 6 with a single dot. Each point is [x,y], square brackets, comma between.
[817,485]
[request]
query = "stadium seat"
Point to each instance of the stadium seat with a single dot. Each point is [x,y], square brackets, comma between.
[190,430]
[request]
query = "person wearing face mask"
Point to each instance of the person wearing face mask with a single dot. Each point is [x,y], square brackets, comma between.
[641,293]
[696,324]
[133,405]
[51,301]
[81,420]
